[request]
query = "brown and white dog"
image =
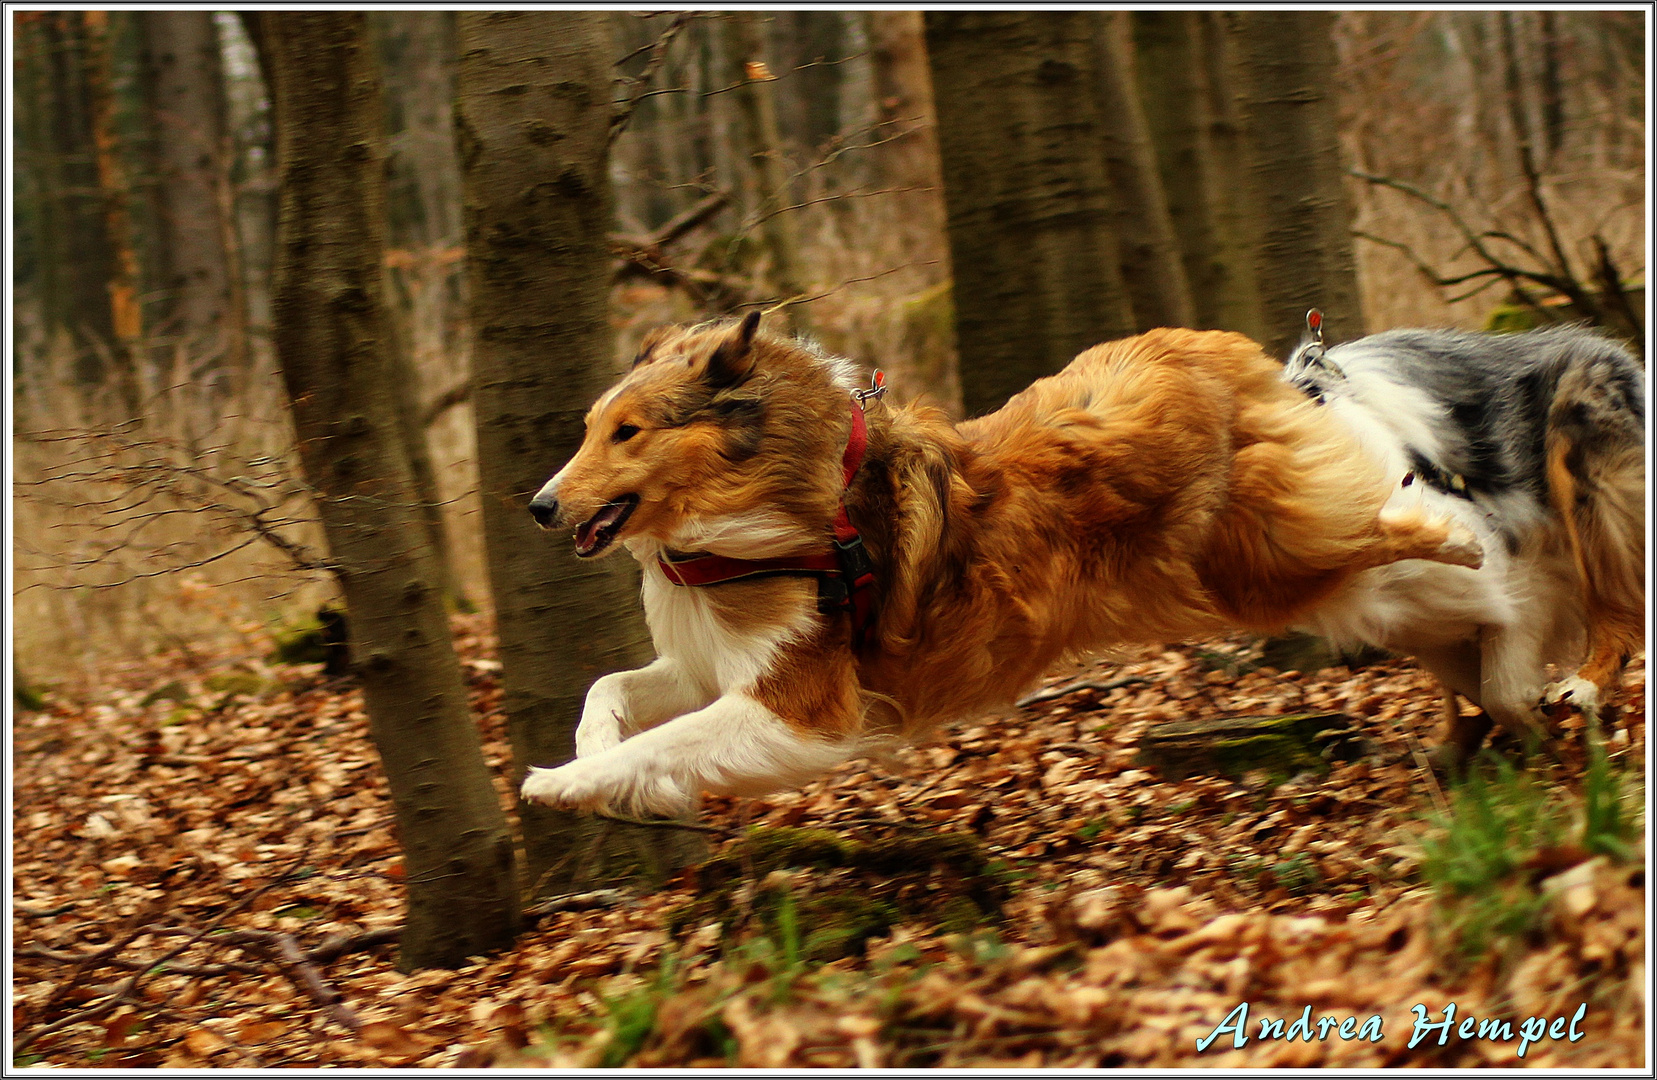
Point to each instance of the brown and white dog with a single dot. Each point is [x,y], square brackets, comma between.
[1164,486]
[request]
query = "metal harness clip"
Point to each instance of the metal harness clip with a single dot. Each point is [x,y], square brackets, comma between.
[877,388]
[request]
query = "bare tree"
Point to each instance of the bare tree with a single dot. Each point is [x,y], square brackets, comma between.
[533,113]
[1302,227]
[1192,127]
[766,175]
[1037,269]
[70,251]
[202,308]
[1152,271]
[424,237]
[115,187]
[331,339]
[907,163]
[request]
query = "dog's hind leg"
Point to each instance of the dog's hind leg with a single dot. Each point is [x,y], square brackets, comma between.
[624,703]
[1511,671]
[1462,735]
[1458,671]
[735,746]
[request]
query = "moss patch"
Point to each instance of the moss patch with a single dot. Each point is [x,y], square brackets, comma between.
[1235,746]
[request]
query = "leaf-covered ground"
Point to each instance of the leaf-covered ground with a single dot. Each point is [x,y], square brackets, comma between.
[206,874]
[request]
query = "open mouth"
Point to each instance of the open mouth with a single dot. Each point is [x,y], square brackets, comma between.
[595,534]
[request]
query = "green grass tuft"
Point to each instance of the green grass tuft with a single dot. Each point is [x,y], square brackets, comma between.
[1483,857]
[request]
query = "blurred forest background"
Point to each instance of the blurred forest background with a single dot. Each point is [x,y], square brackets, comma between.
[1490,167]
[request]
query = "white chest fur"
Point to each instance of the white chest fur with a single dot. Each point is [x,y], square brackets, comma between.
[686,626]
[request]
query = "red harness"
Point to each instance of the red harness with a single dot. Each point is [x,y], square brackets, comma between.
[843,574]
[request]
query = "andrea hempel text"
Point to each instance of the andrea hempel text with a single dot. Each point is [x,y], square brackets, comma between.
[1426,1029]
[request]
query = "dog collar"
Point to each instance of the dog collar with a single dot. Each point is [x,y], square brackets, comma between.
[843,574]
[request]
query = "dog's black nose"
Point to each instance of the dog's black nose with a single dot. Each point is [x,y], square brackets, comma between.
[543,510]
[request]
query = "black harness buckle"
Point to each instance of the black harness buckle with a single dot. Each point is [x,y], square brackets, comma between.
[857,570]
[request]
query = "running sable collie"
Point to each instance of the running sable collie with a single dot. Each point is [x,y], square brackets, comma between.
[824,574]
[1536,443]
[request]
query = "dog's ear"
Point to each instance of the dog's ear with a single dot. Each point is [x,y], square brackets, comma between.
[733,359]
[647,347]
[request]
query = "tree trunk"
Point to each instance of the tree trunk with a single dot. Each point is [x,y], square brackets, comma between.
[1172,75]
[533,114]
[331,338]
[907,160]
[1151,268]
[1235,214]
[1284,62]
[424,236]
[73,249]
[115,185]
[1037,273]
[249,116]
[749,55]
[202,304]
[809,50]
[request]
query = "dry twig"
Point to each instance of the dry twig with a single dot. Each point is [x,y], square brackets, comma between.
[124,990]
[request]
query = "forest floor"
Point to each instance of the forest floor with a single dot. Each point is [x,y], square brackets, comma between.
[206,875]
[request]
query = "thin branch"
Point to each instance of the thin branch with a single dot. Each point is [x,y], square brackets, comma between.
[666,823]
[127,987]
[768,215]
[1424,267]
[778,305]
[40,952]
[586,901]
[658,56]
[1071,688]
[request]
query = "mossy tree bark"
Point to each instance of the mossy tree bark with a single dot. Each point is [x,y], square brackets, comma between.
[1031,238]
[331,336]
[1284,64]
[533,117]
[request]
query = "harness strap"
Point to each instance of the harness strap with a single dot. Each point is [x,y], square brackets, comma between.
[843,574]
[718,569]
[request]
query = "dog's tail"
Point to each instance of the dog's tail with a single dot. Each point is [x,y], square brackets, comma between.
[1596,482]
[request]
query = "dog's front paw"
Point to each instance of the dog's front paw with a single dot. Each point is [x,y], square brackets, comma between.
[587,784]
[568,786]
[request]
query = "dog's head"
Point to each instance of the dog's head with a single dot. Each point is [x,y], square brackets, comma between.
[676,439]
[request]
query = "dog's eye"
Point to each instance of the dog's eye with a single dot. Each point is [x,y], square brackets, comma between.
[624,432]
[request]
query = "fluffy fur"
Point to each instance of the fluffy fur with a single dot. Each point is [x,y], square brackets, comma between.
[1163,486]
[1536,443]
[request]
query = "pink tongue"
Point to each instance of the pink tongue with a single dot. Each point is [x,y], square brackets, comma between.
[589,530]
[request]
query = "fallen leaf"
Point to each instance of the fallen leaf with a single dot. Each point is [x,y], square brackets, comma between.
[201,1043]
[392,1040]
